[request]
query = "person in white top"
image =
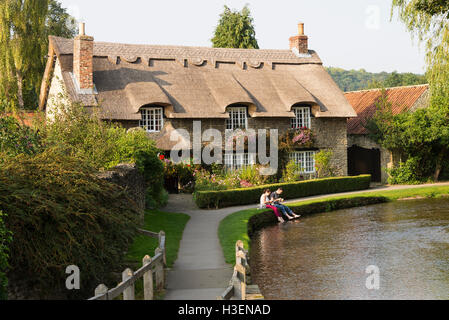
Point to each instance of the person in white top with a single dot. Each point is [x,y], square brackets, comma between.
[265,203]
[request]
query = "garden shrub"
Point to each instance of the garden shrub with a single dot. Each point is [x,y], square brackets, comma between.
[292,172]
[292,190]
[104,145]
[406,172]
[5,239]
[323,164]
[17,139]
[62,214]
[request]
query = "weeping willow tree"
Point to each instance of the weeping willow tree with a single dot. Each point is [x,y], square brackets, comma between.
[24,29]
[429,21]
[423,136]
[22,54]
[235,30]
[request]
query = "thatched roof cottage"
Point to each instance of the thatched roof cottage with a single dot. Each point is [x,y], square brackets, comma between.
[163,88]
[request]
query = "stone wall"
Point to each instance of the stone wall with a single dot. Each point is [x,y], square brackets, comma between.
[130,178]
[331,133]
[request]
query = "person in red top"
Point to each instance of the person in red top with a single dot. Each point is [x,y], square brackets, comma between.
[265,202]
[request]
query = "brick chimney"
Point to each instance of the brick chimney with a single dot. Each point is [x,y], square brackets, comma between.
[301,41]
[83,60]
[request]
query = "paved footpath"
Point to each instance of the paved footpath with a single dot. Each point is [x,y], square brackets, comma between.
[200,272]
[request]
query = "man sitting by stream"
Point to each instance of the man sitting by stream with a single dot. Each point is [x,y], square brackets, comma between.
[277,202]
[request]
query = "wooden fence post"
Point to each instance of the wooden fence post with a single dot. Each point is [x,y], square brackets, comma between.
[128,294]
[159,272]
[147,280]
[162,240]
[101,289]
[240,282]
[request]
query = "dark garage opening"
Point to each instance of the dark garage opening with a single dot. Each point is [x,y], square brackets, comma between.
[364,161]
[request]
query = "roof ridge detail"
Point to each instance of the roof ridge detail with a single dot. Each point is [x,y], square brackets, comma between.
[255,56]
[390,88]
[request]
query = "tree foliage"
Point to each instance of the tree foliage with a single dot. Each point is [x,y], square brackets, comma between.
[24,29]
[5,239]
[235,30]
[422,136]
[62,214]
[352,80]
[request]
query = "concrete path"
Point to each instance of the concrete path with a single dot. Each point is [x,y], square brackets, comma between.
[200,272]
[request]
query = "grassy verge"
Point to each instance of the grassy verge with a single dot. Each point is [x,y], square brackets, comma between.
[173,224]
[235,226]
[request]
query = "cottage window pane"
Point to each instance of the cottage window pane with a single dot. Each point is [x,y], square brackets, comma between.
[306,159]
[302,117]
[237,118]
[152,119]
[237,161]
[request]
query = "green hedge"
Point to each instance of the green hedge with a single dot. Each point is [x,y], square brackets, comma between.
[5,239]
[62,214]
[228,198]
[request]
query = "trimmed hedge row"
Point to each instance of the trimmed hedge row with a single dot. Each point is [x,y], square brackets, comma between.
[267,218]
[228,198]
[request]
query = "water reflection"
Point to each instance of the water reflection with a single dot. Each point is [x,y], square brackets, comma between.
[324,256]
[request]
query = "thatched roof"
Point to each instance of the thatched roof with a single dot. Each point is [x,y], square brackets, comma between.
[402,99]
[193,82]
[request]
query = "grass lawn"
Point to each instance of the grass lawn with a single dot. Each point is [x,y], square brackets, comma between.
[173,225]
[234,227]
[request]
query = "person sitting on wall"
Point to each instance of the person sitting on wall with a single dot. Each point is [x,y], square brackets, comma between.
[277,202]
[265,203]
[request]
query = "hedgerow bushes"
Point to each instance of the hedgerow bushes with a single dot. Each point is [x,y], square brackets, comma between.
[5,239]
[226,198]
[103,145]
[61,214]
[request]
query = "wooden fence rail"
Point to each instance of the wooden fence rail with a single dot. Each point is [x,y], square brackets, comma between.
[238,288]
[149,267]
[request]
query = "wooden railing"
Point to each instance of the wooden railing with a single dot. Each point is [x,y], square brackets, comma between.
[150,266]
[238,288]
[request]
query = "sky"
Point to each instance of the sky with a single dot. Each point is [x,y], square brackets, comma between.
[349,34]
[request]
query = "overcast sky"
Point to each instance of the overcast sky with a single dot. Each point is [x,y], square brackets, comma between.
[350,34]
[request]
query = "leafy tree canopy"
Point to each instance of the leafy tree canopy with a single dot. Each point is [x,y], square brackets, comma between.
[352,80]
[235,30]
[24,29]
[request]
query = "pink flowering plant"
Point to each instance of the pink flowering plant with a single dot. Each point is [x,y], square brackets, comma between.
[303,137]
[298,138]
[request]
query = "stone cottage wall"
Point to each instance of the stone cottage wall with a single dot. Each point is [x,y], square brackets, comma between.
[331,133]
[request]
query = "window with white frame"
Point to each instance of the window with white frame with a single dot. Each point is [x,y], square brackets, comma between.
[238,118]
[152,119]
[306,159]
[236,161]
[302,117]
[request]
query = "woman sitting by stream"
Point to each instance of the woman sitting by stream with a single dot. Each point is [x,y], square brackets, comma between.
[265,203]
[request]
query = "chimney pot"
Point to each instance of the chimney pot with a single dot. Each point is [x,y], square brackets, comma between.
[300,42]
[301,29]
[82,29]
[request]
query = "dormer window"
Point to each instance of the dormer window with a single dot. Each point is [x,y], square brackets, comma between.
[238,118]
[302,117]
[152,119]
